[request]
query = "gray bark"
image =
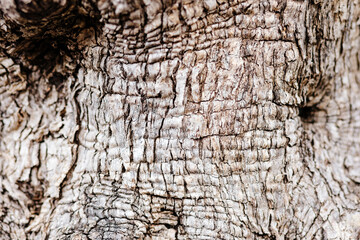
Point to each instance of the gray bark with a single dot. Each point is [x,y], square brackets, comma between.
[179,119]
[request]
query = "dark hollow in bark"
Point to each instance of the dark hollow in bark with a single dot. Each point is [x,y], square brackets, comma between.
[53,41]
[307,114]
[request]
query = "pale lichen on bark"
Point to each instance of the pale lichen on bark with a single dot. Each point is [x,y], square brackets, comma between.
[179,119]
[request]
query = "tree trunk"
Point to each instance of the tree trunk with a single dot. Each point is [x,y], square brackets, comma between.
[179,119]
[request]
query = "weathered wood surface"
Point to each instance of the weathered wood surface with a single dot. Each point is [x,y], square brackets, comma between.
[179,119]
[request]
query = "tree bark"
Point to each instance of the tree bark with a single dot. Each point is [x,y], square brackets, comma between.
[179,119]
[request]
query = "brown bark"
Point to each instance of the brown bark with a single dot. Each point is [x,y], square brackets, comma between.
[179,119]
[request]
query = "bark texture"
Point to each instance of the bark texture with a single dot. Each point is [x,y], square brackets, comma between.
[179,119]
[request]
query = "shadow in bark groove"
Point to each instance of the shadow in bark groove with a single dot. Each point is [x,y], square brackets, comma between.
[35,193]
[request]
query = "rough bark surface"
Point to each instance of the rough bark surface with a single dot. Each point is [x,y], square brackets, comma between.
[179,119]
